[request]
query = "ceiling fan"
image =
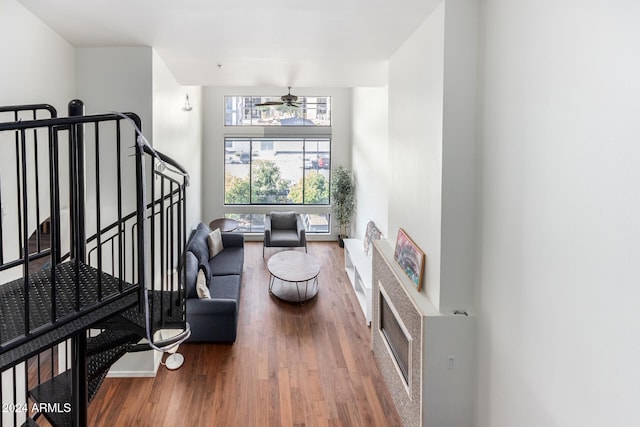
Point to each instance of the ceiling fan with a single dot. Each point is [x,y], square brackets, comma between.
[288,100]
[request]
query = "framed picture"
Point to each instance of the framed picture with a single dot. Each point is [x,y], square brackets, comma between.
[409,256]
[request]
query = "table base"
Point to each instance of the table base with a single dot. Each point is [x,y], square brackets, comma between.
[298,292]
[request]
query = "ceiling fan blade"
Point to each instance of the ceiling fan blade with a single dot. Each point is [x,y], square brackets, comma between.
[268,103]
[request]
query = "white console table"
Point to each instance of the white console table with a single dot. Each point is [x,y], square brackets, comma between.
[358,267]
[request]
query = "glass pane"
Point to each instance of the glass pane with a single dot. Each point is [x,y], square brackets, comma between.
[237,157]
[248,223]
[315,223]
[275,170]
[314,190]
[317,110]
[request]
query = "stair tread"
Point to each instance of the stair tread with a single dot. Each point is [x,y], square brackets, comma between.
[101,362]
[109,338]
[29,423]
[99,297]
[57,392]
[56,335]
[167,311]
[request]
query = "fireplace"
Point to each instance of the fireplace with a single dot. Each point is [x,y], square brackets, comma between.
[395,336]
[426,357]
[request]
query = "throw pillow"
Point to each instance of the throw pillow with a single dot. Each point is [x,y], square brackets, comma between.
[206,268]
[201,286]
[215,243]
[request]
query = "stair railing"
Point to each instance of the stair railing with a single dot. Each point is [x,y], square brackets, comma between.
[65,162]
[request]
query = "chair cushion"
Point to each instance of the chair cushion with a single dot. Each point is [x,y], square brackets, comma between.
[284,221]
[285,238]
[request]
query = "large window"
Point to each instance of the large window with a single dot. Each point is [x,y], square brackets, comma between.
[277,171]
[243,111]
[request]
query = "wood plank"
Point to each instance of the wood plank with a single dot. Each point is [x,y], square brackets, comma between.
[302,365]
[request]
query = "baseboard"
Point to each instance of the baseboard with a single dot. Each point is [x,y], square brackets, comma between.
[136,373]
[131,374]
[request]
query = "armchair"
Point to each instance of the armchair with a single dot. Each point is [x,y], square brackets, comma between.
[285,230]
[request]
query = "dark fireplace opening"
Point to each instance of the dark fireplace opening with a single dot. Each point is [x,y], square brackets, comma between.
[395,337]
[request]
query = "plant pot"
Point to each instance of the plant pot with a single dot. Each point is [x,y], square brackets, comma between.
[341,240]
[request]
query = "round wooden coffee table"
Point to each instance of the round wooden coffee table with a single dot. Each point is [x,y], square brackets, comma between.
[289,271]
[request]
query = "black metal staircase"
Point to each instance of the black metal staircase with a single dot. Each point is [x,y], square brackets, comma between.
[92,230]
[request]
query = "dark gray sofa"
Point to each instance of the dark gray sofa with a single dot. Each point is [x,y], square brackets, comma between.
[215,319]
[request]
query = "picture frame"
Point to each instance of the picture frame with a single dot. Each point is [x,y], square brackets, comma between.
[410,258]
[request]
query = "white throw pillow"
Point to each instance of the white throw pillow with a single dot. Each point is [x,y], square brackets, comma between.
[215,243]
[201,286]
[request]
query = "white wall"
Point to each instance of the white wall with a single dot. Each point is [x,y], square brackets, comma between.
[178,133]
[559,214]
[370,158]
[37,67]
[116,79]
[432,90]
[215,131]
[136,79]
[432,138]
[458,259]
[37,64]
[415,144]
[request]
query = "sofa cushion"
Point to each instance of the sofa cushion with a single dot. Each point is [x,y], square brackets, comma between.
[198,243]
[232,239]
[226,287]
[229,261]
[191,271]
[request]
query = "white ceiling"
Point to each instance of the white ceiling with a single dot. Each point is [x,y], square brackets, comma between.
[322,43]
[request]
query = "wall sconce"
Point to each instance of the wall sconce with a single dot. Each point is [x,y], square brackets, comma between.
[187,104]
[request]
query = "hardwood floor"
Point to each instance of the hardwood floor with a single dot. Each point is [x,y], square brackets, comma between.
[291,365]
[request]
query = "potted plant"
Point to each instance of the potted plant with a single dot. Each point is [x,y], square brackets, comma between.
[342,200]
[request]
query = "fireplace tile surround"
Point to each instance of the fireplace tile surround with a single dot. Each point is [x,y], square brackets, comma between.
[436,394]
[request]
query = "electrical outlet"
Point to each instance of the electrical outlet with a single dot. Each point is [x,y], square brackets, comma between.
[451,361]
